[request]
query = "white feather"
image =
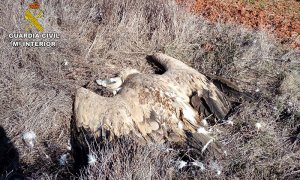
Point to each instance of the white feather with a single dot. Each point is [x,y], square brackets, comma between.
[189,114]
[216,167]
[206,145]
[181,164]
[202,130]
[180,125]
[199,164]
[92,159]
[29,138]
[63,160]
[258,126]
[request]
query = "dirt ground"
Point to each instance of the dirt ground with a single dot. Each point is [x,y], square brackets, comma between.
[281,17]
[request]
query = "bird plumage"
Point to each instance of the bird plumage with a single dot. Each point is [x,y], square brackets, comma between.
[153,108]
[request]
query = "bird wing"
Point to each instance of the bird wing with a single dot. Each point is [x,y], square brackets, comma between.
[166,112]
[103,116]
[204,95]
[108,118]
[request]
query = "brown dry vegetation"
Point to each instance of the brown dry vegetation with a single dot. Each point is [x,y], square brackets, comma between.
[98,38]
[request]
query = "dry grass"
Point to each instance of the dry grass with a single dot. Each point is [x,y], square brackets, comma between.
[128,160]
[98,38]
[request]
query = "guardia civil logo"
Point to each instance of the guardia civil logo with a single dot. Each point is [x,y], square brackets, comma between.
[35,35]
[32,14]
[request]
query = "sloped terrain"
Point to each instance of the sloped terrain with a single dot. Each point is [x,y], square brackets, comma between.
[279,17]
[98,39]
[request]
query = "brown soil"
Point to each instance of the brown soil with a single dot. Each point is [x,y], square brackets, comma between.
[281,17]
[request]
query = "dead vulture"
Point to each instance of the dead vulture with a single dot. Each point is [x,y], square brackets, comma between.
[153,108]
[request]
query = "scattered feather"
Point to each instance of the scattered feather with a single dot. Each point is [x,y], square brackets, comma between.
[206,145]
[204,122]
[202,130]
[92,159]
[29,138]
[169,149]
[225,153]
[63,160]
[230,122]
[182,164]
[199,164]
[216,167]
[69,146]
[65,63]
[258,126]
